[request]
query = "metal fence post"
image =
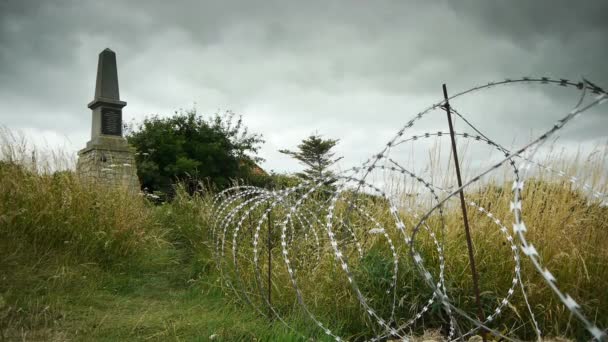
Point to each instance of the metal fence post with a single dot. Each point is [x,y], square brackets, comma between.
[480,314]
[269,262]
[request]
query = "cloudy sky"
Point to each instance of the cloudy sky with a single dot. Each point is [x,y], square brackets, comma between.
[353,70]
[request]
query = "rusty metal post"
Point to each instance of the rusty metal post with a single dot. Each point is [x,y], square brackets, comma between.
[480,314]
[269,262]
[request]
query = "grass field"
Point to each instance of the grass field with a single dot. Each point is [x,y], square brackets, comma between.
[54,300]
[79,262]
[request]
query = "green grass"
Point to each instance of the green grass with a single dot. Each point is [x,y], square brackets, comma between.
[55,300]
[568,230]
[84,263]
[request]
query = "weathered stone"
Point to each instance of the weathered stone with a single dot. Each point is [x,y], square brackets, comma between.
[107,76]
[107,106]
[108,167]
[107,159]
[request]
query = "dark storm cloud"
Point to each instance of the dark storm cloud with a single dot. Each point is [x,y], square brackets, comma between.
[525,22]
[354,70]
[558,36]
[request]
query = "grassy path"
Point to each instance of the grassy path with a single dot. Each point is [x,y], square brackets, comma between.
[93,305]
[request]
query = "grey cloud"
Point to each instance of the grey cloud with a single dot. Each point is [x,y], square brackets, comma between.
[352,70]
[525,22]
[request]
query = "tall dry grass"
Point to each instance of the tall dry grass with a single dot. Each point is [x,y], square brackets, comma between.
[58,235]
[55,228]
[567,224]
[46,208]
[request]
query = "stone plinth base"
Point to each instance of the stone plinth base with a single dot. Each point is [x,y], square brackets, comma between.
[109,161]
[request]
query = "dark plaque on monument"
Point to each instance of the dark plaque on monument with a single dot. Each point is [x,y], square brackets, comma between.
[111,121]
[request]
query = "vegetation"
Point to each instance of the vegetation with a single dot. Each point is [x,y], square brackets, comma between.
[78,262]
[191,149]
[564,226]
[315,153]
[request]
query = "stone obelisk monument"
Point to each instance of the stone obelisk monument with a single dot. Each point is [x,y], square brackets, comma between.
[107,159]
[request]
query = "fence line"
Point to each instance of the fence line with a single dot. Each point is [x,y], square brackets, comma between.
[316,207]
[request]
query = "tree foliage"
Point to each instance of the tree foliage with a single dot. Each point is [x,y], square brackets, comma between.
[315,153]
[190,148]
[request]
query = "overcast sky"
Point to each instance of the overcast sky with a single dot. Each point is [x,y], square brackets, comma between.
[353,70]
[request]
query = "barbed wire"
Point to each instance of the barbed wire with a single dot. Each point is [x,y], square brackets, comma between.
[341,218]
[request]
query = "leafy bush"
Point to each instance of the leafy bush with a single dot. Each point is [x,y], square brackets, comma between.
[192,149]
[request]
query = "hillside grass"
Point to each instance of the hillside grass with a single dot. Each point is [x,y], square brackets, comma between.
[568,232]
[82,262]
[568,226]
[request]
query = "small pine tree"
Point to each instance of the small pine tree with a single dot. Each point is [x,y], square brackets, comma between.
[315,153]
